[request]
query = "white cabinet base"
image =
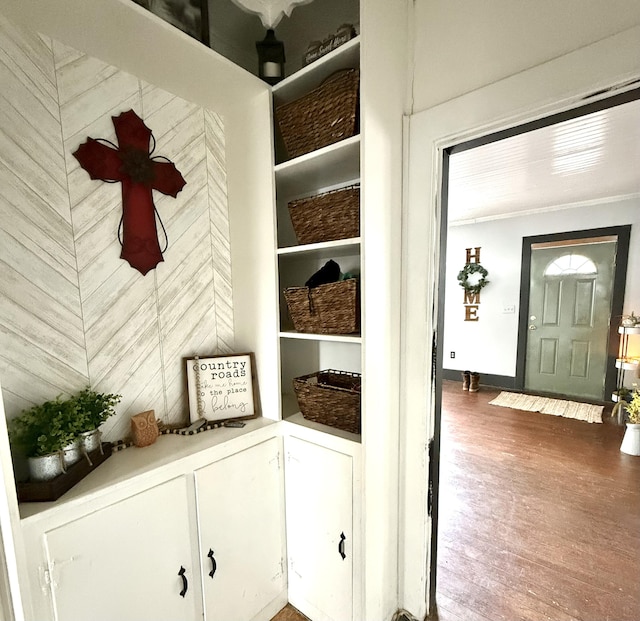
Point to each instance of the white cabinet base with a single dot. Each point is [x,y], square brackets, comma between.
[319,496]
[240,518]
[123,562]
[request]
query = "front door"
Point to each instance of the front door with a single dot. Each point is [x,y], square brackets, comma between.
[568,321]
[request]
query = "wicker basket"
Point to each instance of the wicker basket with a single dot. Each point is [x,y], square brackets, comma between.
[326,217]
[331,398]
[323,116]
[333,308]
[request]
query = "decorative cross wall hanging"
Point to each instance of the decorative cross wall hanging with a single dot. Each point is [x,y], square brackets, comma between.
[131,164]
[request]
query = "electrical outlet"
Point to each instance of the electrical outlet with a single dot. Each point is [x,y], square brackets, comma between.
[452,354]
[509,309]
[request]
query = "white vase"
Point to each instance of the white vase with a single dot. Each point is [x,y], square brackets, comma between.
[90,440]
[631,441]
[71,453]
[46,467]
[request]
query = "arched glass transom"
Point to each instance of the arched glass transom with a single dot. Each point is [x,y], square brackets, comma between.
[569,264]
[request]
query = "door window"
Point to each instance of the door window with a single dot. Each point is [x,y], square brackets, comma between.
[571,264]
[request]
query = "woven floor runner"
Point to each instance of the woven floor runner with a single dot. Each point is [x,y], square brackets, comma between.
[556,407]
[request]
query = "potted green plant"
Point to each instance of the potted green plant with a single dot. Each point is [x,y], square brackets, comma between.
[47,433]
[631,440]
[94,408]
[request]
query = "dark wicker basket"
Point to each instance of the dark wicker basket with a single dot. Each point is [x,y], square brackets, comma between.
[331,398]
[333,308]
[323,116]
[326,217]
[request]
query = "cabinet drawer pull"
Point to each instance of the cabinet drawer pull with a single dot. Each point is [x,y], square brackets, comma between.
[185,584]
[341,546]
[214,565]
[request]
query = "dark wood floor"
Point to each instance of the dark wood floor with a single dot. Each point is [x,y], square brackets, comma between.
[289,613]
[539,516]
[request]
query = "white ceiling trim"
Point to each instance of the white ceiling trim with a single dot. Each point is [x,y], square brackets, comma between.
[529,212]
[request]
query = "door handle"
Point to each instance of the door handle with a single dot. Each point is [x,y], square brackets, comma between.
[341,546]
[185,584]
[214,565]
[532,327]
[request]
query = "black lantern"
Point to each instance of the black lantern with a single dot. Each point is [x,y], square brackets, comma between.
[270,58]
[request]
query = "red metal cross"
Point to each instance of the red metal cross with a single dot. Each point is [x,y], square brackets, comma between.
[131,164]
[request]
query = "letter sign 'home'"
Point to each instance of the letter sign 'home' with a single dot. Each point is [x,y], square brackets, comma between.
[472,278]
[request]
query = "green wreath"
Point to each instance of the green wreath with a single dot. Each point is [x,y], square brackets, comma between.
[473,268]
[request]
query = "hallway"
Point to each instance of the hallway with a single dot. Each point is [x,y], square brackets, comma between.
[539,516]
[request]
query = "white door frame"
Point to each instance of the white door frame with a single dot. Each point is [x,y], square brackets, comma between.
[585,75]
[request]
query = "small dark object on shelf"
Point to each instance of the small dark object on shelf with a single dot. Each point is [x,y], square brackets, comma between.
[326,217]
[329,272]
[234,424]
[324,116]
[330,397]
[44,491]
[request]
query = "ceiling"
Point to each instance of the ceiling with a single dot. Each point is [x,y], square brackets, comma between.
[585,160]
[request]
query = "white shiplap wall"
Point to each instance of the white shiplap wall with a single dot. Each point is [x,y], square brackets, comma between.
[71,311]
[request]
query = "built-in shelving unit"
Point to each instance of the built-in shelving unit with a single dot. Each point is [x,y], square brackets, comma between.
[331,167]
[625,362]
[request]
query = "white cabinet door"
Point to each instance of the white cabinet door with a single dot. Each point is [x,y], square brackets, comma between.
[241,526]
[319,489]
[123,562]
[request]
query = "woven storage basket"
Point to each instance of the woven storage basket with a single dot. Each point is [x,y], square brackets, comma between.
[331,398]
[328,216]
[333,308]
[323,116]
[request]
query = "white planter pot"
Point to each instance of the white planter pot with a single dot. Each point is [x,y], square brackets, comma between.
[631,441]
[90,440]
[71,453]
[46,467]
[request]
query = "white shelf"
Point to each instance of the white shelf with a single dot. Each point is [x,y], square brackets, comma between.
[323,250]
[627,365]
[615,398]
[298,419]
[336,164]
[331,338]
[634,330]
[347,56]
[126,467]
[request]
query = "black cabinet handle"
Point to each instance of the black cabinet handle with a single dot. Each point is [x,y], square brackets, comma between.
[341,546]
[214,565]
[185,584]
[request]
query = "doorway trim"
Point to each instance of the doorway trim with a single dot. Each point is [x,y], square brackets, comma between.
[588,74]
[623,235]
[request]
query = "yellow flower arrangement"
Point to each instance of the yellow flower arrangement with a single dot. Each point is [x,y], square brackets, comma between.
[633,407]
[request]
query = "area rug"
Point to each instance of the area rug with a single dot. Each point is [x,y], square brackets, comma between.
[556,407]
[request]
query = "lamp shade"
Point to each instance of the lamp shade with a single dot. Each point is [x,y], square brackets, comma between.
[270,11]
[270,58]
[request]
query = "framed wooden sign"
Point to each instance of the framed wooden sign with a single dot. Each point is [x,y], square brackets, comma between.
[222,387]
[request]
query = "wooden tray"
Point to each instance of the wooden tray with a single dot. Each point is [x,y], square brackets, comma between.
[43,491]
